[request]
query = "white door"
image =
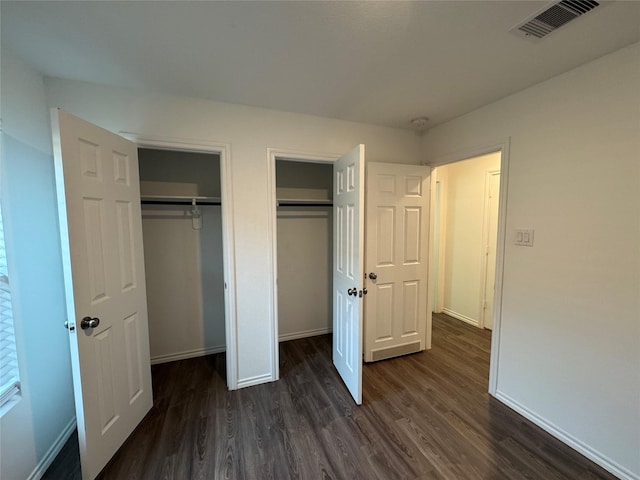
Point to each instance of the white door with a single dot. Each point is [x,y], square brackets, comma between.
[348,251]
[101,237]
[397,222]
[490,249]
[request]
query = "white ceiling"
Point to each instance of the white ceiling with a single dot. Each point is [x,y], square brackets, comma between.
[381,62]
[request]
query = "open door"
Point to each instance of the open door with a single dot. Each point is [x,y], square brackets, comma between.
[101,237]
[491,221]
[348,262]
[396,259]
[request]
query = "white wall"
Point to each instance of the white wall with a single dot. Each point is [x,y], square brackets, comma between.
[463,185]
[570,332]
[249,131]
[305,269]
[33,430]
[185,286]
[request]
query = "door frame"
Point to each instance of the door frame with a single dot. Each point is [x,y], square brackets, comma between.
[274,154]
[223,150]
[502,146]
[436,238]
[485,242]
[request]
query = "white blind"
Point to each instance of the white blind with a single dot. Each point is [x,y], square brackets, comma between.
[9,378]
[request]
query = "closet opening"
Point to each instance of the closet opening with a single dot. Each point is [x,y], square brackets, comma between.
[183,248]
[304,239]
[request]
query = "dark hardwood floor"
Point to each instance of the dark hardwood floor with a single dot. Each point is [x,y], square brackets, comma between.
[425,416]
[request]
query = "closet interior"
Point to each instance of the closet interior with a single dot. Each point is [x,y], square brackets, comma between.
[182,235]
[304,193]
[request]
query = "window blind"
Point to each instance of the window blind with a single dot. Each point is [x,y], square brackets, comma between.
[9,378]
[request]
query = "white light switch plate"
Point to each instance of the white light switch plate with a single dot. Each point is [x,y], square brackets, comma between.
[524,237]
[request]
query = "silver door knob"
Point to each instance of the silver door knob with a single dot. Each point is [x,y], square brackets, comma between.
[373,276]
[88,322]
[352,291]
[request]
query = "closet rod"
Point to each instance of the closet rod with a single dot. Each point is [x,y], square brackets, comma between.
[292,204]
[180,202]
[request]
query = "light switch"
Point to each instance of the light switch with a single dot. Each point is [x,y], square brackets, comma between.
[524,237]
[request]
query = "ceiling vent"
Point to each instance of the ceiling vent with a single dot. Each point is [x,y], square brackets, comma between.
[553,17]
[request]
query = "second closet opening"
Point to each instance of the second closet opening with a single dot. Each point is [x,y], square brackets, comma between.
[304,194]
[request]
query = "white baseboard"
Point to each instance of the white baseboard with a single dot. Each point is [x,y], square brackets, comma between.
[307,333]
[53,452]
[200,352]
[257,380]
[461,317]
[565,437]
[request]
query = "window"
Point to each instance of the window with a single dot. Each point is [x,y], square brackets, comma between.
[9,379]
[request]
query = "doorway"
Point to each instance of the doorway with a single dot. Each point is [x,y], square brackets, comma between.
[294,196]
[467,231]
[214,207]
[182,237]
[465,216]
[347,261]
[304,229]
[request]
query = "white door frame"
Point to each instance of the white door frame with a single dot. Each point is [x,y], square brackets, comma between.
[485,244]
[436,237]
[228,230]
[501,146]
[274,154]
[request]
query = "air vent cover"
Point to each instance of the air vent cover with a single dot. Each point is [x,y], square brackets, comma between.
[553,17]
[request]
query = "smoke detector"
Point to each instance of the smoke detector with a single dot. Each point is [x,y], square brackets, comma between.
[554,16]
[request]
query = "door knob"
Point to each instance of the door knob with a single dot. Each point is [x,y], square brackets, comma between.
[69,327]
[373,276]
[352,291]
[88,322]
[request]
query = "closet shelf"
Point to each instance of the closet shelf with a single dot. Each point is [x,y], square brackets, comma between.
[301,202]
[178,200]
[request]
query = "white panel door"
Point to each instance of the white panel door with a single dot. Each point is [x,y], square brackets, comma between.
[491,219]
[397,220]
[101,237]
[348,252]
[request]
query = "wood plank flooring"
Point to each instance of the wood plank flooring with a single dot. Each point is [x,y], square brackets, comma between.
[425,416]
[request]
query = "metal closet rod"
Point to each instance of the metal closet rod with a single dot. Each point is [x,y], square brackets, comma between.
[180,202]
[292,204]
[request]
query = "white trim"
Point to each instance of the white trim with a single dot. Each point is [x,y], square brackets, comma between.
[228,230]
[304,334]
[484,268]
[461,317]
[300,156]
[438,254]
[272,155]
[257,380]
[501,146]
[568,439]
[273,265]
[198,352]
[53,451]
